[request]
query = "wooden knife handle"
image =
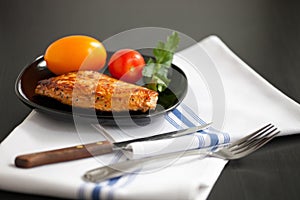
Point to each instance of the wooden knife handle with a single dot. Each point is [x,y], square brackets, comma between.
[64,154]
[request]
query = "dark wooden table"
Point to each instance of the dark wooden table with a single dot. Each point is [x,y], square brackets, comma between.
[265,34]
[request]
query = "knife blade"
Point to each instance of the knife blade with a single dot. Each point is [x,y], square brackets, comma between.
[123,145]
[92,149]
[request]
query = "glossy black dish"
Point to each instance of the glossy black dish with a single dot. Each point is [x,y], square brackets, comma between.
[36,71]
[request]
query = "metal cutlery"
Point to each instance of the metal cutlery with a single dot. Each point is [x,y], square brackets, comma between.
[236,150]
[92,149]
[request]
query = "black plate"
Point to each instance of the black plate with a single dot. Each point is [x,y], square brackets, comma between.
[31,74]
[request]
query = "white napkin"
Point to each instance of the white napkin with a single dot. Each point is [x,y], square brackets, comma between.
[250,103]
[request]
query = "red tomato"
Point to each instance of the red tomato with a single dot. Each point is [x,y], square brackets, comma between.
[73,53]
[126,65]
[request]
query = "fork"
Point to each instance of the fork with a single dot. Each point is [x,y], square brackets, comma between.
[235,150]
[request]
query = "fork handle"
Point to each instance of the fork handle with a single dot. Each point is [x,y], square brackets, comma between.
[125,167]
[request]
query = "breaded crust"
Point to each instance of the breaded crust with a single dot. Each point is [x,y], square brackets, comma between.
[91,89]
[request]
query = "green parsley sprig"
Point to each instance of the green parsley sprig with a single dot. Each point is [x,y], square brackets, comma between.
[156,71]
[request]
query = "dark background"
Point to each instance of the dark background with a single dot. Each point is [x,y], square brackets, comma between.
[264,33]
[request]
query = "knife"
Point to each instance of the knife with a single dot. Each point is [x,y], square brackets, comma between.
[92,149]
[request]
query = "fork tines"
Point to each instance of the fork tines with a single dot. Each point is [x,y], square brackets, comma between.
[255,140]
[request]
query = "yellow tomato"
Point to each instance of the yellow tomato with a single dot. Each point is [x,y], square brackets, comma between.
[73,53]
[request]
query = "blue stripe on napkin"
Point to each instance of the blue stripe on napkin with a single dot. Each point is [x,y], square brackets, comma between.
[131,177]
[214,140]
[181,117]
[199,120]
[201,141]
[81,191]
[96,192]
[176,125]
[172,122]
[117,157]
[111,182]
[192,114]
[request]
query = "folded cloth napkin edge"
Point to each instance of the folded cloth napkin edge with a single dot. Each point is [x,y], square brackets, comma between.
[246,66]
